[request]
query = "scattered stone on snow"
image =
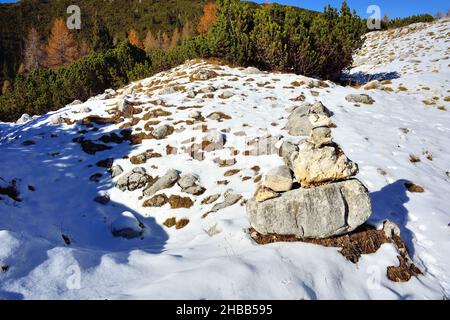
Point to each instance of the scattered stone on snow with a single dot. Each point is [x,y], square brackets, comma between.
[166,181]
[133,180]
[127,226]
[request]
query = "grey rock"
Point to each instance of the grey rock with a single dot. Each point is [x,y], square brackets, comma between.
[187,180]
[252,70]
[286,151]
[116,171]
[360,98]
[133,180]
[313,166]
[390,229]
[24,118]
[227,94]
[203,74]
[167,90]
[320,136]
[230,199]
[207,89]
[191,94]
[189,184]
[162,132]
[299,123]
[278,179]
[195,115]
[319,212]
[166,181]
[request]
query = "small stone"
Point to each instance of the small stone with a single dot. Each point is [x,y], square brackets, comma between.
[320,136]
[211,199]
[360,98]
[263,193]
[278,179]
[166,181]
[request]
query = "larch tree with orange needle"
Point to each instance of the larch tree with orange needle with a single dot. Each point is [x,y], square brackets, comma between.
[208,18]
[134,39]
[62,48]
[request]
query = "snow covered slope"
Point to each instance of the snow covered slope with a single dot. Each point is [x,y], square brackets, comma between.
[57,242]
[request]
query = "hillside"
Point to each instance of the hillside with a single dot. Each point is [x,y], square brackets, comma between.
[77,170]
[158,16]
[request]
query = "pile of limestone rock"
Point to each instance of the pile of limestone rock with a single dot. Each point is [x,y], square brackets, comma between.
[314,195]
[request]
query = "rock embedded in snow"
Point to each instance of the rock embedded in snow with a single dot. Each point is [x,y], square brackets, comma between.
[187,180]
[189,184]
[116,171]
[23,119]
[252,70]
[56,120]
[195,115]
[166,181]
[203,74]
[127,226]
[162,132]
[133,180]
[319,212]
[230,198]
[314,166]
[372,85]
[360,98]
[278,179]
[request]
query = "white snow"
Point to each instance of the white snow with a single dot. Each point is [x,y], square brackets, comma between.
[214,258]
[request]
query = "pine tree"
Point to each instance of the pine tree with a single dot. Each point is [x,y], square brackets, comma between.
[208,18]
[101,38]
[33,53]
[62,48]
[134,39]
[268,37]
[151,42]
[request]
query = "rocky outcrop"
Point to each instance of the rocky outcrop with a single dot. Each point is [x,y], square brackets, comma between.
[320,212]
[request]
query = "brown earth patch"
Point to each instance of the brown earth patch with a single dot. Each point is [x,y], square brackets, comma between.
[11,191]
[177,202]
[230,173]
[364,240]
[156,201]
[170,222]
[414,188]
[109,138]
[181,224]
[91,147]
[156,113]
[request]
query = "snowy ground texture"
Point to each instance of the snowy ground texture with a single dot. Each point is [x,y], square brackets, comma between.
[214,257]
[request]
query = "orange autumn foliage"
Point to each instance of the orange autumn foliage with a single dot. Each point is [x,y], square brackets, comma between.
[208,18]
[134,39]
[62,48]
